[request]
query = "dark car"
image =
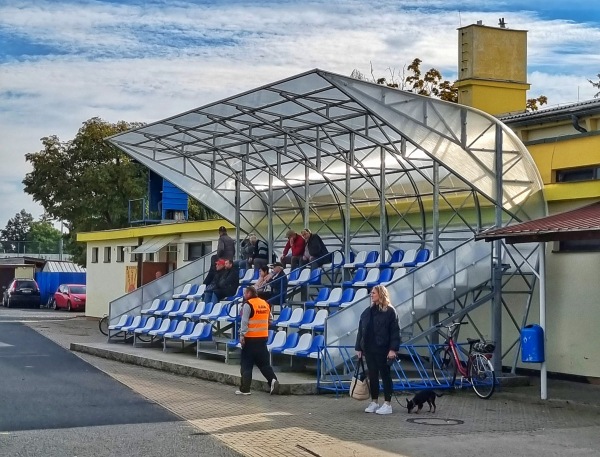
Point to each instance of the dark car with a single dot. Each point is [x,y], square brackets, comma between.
[69,296]
[22,292]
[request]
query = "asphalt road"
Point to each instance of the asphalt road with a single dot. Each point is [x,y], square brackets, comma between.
[55,404]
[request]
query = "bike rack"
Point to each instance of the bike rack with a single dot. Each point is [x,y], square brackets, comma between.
[410,371]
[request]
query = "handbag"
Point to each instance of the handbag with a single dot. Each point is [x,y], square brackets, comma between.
[359,386]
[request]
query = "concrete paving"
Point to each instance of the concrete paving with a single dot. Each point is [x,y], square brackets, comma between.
[514,422]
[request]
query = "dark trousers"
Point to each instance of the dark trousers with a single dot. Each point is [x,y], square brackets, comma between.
[377,366]
[255,352]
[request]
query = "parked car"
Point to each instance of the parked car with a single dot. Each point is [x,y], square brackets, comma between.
[22,292]
[70,297]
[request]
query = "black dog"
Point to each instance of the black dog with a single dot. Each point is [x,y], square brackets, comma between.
[419,400]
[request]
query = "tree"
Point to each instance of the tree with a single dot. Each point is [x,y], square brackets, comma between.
[198,212]
[596,85]
[15,233]
[532,103]
[86,182]
[43,238]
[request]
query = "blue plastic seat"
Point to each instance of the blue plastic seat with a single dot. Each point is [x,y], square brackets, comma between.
[185,307]
[396,259]
[315,277]
[157,304]
[421,257]
[359,275]
[318,342]
[290,342]
[347,296]
[385,276]
[308,317]
[321,296]
[284,315]
[372,257]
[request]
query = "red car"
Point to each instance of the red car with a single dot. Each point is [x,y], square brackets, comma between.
[69,296]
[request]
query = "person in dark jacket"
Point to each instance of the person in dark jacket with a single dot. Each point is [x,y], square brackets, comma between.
[279,284]
[378,340]
[225,245]
[314,249]
[260,253]
[226,281]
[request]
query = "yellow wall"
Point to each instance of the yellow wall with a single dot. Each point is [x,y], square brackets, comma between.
[492,69]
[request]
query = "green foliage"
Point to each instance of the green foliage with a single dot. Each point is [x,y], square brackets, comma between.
[85,182]
[16,231]
[43,238]
[198,212]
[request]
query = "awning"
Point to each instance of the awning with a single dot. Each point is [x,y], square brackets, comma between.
[578,224]
[154,244]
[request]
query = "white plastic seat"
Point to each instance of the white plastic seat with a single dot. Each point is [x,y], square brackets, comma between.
[121,323]
[153,307]
[195,334]
[334,296]
[167,309]
[302,278]
[135,323]
[372,276]
[184,292]
[386,258]
[338,260]
[278,340]
[359,295]
[180,328]
[360,259]
[247,276]
[295,318]
[303,344]
[409,256]
[148,326]
[184,307]
[216,311]
[398,273]
[318,320]
[163,326]
[200,307]
[198,294]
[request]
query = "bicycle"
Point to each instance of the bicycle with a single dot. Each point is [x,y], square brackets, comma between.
[477,369]
[103,325]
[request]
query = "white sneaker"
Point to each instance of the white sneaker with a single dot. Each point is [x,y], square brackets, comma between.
[372,408]
[384,409]
[239,392]
[274,387]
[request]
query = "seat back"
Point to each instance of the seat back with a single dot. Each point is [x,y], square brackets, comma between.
[347,296]
[193,289]
[248,276]
[335,295]
[360,294]
[164,325]
[360,257]
[371,257]
[294,275]
[422,255]
[323,294]
[242,273]
[135,322]
[180,328]
[157,323]
[189,328]
[320,317]
[385,275]
[168,306]
[178,305]
[373,275]
[190,308]
[123,320]
[197,329]
[216,310]
[304,275]
[270,337]
[206,332]
[409,256]
[315,276]
[278,340]
[154,306]
[208,307]
[149,323]
[397,256]
[309,316]
[172,325]
[186,289]
[284,315]
[360,275]
[201,289]
[291,341]
[304,342]
[317,343]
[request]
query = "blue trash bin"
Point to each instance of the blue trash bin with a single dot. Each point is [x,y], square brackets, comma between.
[532,344]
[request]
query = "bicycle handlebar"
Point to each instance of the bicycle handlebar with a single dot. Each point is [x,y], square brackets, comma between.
[452,325]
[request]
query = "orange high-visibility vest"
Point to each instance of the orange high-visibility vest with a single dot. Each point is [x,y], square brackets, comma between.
[258,324]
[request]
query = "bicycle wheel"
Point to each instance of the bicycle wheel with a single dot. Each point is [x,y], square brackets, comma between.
[103,325]
[443,366]
[482,375]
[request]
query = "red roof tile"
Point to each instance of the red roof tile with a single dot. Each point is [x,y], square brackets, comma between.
[582,223]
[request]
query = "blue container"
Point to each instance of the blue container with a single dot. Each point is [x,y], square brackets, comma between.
[532,344]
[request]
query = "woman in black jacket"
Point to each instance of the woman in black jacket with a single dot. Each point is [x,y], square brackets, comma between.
[378,340]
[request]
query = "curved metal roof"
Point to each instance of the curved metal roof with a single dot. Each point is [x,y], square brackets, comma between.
[321,146]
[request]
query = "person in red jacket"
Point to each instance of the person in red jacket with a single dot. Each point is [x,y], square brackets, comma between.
[295,244]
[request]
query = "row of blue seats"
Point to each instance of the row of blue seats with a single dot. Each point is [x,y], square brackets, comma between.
[225,310]
[399,258]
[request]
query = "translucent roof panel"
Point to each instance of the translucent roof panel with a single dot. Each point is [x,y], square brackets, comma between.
[323,141]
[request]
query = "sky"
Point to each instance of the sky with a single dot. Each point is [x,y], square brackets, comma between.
[63,62]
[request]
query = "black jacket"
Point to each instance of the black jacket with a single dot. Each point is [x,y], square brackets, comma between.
[316,248]
[226,283]
[385,326]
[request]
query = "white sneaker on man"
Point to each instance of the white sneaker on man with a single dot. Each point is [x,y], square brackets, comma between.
[274,387]
[372,408]
[239,392]
[386,408]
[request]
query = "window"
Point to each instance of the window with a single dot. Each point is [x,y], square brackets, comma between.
[120,253]
[578,246]
[578,174]
[150,257]
[194,251]
[107,250]
[94,255]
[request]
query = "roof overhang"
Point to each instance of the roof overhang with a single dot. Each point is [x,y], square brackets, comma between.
[579,224]
[154,244]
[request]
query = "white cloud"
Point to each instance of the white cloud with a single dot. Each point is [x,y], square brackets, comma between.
[144,63]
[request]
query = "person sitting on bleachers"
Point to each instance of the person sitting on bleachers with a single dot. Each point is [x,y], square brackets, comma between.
[262,287]
[259,257]
[279,284]
[225,283]
[295,244]
[314,249]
